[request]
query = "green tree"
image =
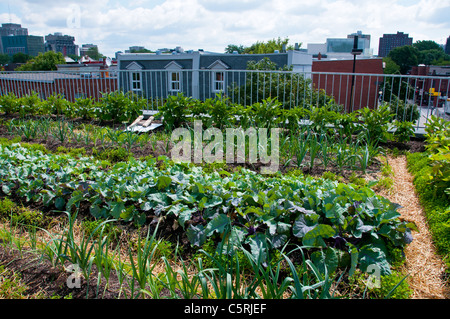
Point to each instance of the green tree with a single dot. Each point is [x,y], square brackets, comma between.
[233,47]
[428,57]
[405,57]
[94,54]
[4,59]
[269,46]
[427,45]
[21,57]
[390,66]
[143,50]
[43,62]
[291,89]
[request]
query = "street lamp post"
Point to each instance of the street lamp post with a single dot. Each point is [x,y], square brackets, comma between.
[355,52]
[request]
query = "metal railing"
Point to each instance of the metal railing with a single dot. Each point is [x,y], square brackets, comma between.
[428,94]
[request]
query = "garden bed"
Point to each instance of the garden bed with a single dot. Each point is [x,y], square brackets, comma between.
[316,227]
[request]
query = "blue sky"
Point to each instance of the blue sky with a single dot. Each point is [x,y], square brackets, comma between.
[213,24]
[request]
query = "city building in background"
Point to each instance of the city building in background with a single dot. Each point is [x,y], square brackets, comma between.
[341,48]
[392,41]
[27,44]
[8,29]
[64,44]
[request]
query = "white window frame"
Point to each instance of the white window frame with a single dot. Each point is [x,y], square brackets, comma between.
[135,76]
[137,81]
[174,85]
[174,68]
[218,85]
[218,70]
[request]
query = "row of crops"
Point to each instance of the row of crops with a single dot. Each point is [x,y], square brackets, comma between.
[337,225]
[352,224]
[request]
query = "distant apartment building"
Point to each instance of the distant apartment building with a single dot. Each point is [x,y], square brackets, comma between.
[8,29]
[27,44]
[64,44]
[389,42]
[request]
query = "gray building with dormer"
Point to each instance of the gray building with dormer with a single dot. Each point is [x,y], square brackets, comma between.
[198,74]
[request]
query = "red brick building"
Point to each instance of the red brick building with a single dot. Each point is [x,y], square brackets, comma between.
[366,83]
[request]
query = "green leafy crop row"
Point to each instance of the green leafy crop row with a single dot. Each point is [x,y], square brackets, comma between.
[431,171]
[353,225]
[115,106]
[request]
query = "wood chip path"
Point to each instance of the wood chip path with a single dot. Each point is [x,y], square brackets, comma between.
[424,266]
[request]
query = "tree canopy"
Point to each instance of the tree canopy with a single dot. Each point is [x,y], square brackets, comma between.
[423,45]
[43,62]
[94,54]
[261,47]
[405,57]
[4,59]
[390,66]
[421,52]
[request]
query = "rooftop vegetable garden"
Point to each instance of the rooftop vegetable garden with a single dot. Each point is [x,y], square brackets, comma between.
[222,230]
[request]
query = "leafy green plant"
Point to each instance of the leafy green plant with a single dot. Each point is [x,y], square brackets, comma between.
[30,104]
[55,104]
[119,107]
[9,103]
[403,131]
[315,212]
[266,113]
[84,108]
[438,148]
[220,110]
[375,122]
[174,111]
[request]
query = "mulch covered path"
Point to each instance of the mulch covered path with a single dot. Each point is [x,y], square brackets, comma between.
[426,270]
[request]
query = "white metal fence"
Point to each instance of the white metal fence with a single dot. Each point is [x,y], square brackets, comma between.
[428,94]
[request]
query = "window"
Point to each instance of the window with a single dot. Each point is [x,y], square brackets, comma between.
[218,76]
[136,83]
[218,81]
[174,76]
[174,81]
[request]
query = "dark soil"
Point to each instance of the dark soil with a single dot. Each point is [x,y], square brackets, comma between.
[40,276]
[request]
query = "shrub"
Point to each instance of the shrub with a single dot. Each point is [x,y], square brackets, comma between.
[84,108]
[30,104]
[375,122]
[403,131]
[175,111]
[220,110]
[438,148]
[403,112]
[9,103]
[55,104]
[437,208]
[119,107]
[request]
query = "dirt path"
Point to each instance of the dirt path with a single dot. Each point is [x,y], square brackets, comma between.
[424,266]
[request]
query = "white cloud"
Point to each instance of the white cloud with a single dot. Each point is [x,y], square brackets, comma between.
[213,24]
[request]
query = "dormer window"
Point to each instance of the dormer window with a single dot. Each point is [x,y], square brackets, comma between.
[218,76]
[135,76]
[218,81]
[174,76]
